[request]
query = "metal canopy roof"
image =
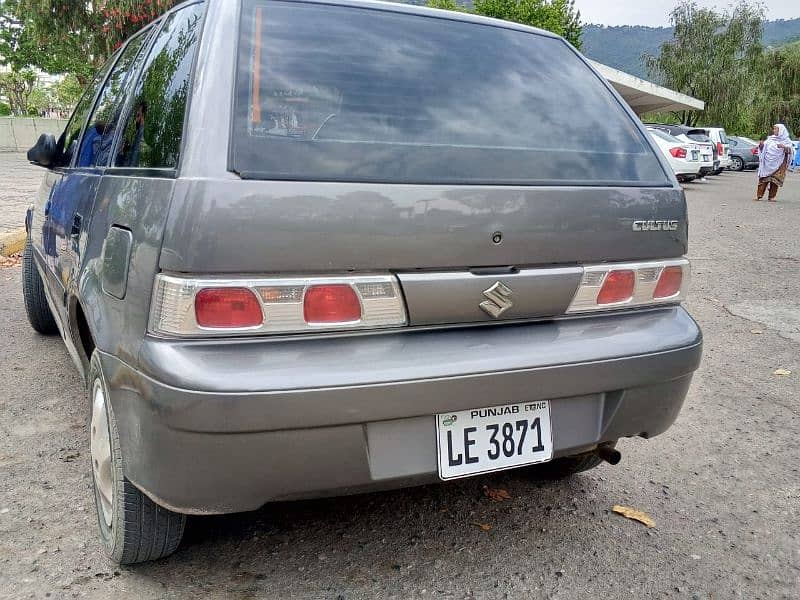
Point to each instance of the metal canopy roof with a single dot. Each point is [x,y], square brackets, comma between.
[644,96]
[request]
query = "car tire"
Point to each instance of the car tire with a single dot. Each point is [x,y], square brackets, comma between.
[39,315]
[737,164]
[133,528]
[718,171]
[564,467]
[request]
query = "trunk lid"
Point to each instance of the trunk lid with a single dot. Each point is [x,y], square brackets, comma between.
[445,243]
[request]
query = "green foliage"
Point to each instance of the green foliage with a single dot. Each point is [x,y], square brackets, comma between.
[447,5]
[712,56]
[777,91]
[67,93]
[70,36]
[17,87]
[5,110]
[622,47]
[558,16]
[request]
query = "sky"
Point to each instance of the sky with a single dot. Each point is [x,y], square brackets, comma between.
[655,13]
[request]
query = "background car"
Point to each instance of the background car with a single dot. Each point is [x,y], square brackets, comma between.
[743,152]
[695,135]
[720,138]
[682,157]
[707,153]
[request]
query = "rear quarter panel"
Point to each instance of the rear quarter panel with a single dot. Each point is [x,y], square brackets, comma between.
[140,205]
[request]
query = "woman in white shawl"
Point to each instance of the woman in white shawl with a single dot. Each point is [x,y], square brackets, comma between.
[774,157]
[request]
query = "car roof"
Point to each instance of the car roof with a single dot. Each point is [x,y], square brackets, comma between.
[413,9]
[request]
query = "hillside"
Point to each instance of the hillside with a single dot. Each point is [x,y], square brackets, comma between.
[622,47]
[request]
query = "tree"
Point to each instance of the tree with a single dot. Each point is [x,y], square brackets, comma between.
[558,16]
[18,86]
[712,56]
[777,90]
[70,36]
[67,92]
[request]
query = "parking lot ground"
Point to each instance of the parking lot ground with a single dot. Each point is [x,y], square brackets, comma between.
[723,484]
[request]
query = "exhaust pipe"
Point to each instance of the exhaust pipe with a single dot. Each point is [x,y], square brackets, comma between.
[609,454]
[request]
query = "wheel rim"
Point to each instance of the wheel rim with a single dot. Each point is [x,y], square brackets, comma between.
[737,163]
[101,452]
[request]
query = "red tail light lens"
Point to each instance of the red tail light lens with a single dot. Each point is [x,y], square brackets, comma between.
[719,149]
[227,308]
[678,152]
[669,283]
[754,151]
[331,304]
[618,287]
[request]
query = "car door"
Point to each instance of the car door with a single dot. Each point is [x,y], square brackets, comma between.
[47,220]
[73,195]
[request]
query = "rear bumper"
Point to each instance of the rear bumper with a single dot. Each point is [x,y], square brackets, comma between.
[216,427]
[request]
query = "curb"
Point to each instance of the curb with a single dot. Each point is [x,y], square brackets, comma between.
[11,243]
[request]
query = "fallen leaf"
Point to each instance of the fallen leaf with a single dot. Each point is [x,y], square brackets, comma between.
[11,261]
[484,526]
[782,372]
[635,515]
[496,494]
[756,331]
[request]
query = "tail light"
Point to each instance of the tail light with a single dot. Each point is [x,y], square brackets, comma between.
[324,304]
[669,283]
[652,283]
[618,287]
[678,152]
[754,151]
[184,306]
[719,149]
[227,308]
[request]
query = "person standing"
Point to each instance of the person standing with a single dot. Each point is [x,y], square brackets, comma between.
[775,154]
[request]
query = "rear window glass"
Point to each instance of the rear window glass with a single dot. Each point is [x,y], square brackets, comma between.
[354,94]
[665,136]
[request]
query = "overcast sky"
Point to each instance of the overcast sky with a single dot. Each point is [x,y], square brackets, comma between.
[655,13]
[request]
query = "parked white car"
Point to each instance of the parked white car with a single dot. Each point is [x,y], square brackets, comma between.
[682,157]
[720,138]
[706,153]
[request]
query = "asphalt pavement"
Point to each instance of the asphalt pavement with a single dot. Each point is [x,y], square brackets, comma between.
[722,485]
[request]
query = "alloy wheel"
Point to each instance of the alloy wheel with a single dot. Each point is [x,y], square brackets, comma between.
[101,452]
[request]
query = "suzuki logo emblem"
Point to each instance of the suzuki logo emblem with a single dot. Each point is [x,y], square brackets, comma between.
[498,300]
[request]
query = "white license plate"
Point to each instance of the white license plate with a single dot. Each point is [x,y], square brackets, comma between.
[706,158]
[694,155]
[482,440]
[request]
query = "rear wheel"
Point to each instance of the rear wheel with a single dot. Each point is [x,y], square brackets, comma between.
[737,164]
[39,315]
[133,528]
[564,467]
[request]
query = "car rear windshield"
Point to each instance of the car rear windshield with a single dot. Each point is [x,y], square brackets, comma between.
[665,136]
[340,93]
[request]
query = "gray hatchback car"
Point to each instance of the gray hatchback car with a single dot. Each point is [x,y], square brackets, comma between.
[301,249]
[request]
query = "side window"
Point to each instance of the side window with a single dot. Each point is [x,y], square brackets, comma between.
[99,134]
[72,133]
[153,131]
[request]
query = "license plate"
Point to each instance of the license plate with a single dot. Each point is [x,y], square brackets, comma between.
[706,158]
[694,155]
[489,439]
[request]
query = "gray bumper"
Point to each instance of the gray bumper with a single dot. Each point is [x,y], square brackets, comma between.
[220,426]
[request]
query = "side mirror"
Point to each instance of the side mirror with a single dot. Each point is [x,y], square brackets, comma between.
[45,152]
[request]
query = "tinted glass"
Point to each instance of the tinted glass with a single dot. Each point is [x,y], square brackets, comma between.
[153,131]
[723,138]
[99,134]
[664,136]
[72,133]
[343,93]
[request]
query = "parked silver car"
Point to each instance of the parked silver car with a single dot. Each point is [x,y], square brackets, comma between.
[392,246]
